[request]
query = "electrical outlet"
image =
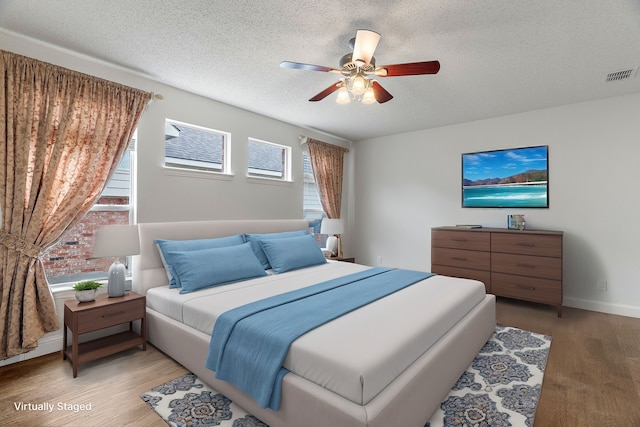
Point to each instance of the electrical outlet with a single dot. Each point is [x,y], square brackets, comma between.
[379,260]
[602,285]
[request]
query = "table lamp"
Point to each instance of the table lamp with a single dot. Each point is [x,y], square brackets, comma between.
[116,241]
[334,228]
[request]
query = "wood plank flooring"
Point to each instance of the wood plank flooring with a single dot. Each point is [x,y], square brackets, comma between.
[592,376]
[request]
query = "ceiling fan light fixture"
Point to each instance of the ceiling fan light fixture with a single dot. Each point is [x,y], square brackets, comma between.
[358,69]
[364,46]
[369,97]
[343,96]
[358,85]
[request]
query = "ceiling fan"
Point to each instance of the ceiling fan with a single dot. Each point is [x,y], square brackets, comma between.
[359,69]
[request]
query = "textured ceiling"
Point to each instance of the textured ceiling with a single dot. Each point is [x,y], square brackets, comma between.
[497,57]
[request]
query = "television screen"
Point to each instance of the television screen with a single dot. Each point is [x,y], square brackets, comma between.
[512,178]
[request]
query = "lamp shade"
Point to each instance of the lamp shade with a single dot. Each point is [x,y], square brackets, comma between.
[116,241]
[331,226]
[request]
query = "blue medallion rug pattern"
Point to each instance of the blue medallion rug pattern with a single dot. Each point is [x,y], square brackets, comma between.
[501,388]
[188,402]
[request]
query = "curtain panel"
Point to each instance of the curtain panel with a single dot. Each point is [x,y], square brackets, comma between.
[327,161]
[62,134]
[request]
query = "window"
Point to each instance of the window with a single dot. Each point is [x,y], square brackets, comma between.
[311,205]
[194,147]
[269,160]
[70,260]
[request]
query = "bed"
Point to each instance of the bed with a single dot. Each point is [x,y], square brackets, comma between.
[390,362]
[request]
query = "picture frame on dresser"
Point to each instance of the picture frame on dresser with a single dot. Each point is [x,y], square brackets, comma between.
[515,222]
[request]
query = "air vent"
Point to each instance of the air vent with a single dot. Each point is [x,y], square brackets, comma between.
[621,75]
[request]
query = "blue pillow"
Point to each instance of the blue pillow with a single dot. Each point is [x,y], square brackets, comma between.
[257,247]
[205,268]
[292,253]
[168,246]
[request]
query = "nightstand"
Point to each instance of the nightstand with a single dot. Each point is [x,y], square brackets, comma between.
[343,259]
[102,313]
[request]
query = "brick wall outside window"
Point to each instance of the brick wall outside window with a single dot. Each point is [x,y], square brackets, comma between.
[70,260]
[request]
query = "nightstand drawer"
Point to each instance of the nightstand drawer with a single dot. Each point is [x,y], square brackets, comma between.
[523,265]
[109,315]
[461,259]
[468,240]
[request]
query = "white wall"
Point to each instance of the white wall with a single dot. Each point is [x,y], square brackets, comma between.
[405,184]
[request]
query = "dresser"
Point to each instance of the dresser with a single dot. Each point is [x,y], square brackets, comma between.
[524,265]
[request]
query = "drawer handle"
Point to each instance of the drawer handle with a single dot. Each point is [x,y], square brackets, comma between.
[526,265]
[117,313]
[459,258]
[527,244]
[526,288]
[459,239]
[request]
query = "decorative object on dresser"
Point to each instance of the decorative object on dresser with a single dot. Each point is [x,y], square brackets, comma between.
[520,264]
[516,222]
[103,313]
[116,241]
[334,228]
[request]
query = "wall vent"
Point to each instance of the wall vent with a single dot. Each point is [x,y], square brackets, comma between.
[621,75]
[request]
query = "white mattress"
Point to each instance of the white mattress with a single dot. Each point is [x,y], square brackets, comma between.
[356,355]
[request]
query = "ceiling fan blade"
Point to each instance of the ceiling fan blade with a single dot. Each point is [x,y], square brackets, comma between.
[328,91]
[381,93]
[409,69]
[364,46]
[307,67]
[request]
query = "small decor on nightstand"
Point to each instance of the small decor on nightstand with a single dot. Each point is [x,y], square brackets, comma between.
[334,228]
[86,291]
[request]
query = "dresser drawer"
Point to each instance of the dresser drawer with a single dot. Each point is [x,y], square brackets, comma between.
[461,240]
[527,288]
[527,244]
[524,265]
[482,276]
[109,315]
[460,258]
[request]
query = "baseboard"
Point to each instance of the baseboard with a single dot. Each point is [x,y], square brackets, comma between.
[602,307]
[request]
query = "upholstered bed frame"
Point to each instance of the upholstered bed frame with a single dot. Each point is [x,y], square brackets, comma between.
[408,401]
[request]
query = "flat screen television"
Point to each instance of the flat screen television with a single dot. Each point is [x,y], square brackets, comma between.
[511,178]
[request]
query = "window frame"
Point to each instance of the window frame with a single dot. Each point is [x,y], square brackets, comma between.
[185,167]
[286,175]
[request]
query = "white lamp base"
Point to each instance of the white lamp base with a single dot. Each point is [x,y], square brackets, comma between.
[332,245]
[116,280]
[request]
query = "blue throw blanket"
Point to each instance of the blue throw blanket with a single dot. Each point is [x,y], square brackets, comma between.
[249,343]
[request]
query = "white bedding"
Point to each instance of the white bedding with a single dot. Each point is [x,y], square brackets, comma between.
[357,355]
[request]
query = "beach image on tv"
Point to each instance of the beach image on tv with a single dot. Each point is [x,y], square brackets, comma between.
[506,178]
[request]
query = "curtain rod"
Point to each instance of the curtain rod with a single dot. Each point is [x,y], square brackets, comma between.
[302,139]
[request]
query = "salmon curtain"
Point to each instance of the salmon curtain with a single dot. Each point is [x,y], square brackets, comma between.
[327,161]
[62,136]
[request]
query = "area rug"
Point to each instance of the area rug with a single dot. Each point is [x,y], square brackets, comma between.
[500,388]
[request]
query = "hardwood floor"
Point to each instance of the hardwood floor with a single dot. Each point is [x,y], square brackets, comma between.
[111,385]
[593,371]
[592,376]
